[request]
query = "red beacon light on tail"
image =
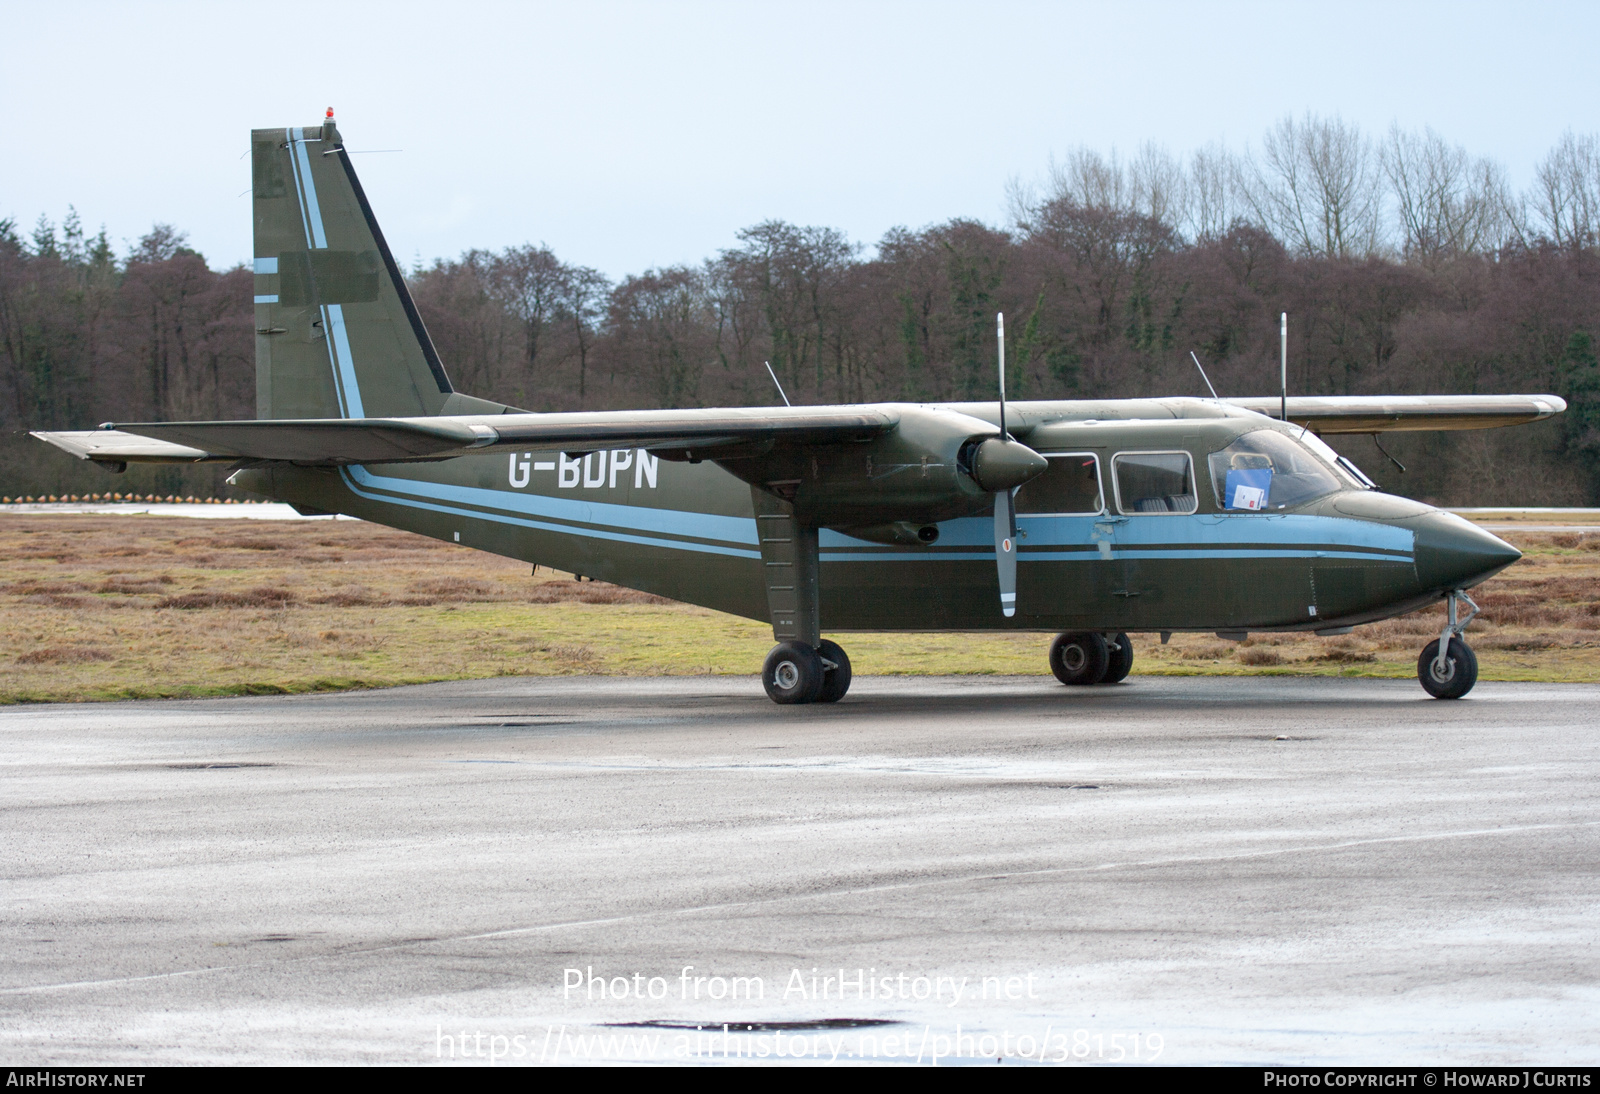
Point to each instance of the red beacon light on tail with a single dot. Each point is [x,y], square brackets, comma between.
[329,114]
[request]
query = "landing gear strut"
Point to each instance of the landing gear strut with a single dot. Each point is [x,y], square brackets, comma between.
[1447,667]
[1088,657]
[803,667]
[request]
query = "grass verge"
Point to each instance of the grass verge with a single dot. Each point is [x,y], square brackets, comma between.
[126,607]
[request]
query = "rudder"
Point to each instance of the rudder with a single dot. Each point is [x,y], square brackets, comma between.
[337,333]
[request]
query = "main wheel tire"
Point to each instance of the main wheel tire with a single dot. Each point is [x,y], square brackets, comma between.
[1079,657]
[1121,662]
[1460,670]
[835,681]
[792,673]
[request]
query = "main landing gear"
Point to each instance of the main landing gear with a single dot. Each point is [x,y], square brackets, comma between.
[1447,667]
[803,667]
[1088,657]
[795,672]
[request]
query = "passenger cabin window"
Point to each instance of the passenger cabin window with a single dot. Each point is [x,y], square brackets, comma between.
[1267,470]
[1154,482]
[1071,485]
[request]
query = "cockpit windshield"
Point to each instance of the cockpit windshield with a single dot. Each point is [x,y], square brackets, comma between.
[1267,470]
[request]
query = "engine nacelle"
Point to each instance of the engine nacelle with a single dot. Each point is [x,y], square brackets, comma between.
[935,465]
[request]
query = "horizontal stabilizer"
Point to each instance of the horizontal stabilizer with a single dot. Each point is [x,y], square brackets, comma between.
[113,446]
[1402,413]
[385,440]
[324,440]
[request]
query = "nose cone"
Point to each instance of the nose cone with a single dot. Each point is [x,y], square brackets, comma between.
[1453,553]
[1000,465]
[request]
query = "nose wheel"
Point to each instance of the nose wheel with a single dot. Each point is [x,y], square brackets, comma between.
[1447,667]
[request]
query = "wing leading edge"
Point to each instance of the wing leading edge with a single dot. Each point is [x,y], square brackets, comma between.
[1407,413]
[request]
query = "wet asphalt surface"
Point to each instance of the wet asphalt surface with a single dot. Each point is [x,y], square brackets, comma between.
[1252,870]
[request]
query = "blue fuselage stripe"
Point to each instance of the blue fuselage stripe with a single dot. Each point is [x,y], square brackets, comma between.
[350,475]
[1229,537]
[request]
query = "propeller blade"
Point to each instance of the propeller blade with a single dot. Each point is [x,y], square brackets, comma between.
[1000,337]
[1005,516]
[1005,551]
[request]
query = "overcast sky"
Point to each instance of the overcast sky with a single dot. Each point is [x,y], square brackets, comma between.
[632,135]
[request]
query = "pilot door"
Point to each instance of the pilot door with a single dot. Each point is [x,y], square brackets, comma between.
[1142,537]
[1058,563]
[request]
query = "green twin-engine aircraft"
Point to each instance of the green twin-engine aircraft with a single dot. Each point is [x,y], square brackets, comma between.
[1090,518]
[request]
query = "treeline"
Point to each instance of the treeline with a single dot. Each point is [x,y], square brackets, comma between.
[1407,266]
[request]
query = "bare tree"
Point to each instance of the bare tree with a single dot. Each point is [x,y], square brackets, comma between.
[1316,185]
[796,273]
[1158,186]
[1209,211]
[529,281]
[662,327]
[583,295]
[471,326]
[1566,194]
[1448,203]
[1098,258]
[1088,180]
[740,325]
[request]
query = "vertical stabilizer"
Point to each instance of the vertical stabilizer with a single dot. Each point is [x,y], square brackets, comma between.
[337,334]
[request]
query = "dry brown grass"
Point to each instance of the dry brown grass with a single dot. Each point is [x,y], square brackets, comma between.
[106,606]
[63,655]
[115,606]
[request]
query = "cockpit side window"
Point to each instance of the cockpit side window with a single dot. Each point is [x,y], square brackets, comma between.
[1266,470]
[1070,486]
[1340,464]
[1154,482]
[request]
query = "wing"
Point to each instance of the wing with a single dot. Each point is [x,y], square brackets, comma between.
[1401,413]
[703,433]
[707,433]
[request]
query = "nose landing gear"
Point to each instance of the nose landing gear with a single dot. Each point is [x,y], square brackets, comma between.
[1447,667]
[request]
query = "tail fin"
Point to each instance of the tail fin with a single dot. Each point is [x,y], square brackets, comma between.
[337,334]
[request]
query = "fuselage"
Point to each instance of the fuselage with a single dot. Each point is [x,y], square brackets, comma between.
[1138,526]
